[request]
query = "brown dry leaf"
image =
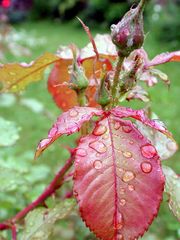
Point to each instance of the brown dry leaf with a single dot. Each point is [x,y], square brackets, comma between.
[15,77]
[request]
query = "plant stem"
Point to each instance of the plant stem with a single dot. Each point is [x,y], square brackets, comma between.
[50,189]
[81,97]
[116,77]
[14,232]
[142,4]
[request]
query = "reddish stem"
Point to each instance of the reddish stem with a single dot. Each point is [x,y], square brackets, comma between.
[51,188]
[14,232]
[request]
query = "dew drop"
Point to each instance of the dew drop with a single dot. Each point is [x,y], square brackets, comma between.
[171,146]
[140,137]
[73,113]
[122,190]
[122,202]
[44,142]
[119,172]
[127,129]
[53,131]
[75,193]
[81,152]
[99,130]
[70,69]
[146,167]
[131,188]
[97,164]
[14,88]
[119,223]
[113,27]
[119,236]
[117,125]
[98,146]
[148,151]
[127,154]
[68,92]
[12,73]
[128,176]
[105,136]
[63,104]
[131,142]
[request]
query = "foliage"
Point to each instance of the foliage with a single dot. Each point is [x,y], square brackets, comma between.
[161,18]
[114,158]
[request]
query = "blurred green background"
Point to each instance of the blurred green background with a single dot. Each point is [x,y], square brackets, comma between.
[39,26]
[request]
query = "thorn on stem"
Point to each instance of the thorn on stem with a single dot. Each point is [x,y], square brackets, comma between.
[86,28]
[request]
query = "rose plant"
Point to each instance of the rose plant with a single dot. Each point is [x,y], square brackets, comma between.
[116,166]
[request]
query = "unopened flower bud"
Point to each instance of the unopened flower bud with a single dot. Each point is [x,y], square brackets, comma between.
[78,78]
[128,34]
[104,95]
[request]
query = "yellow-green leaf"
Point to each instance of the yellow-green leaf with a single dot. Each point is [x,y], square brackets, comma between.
[16,76]
[39,222]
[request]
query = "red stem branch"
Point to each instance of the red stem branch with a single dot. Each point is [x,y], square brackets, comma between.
[50,189]
[14,232]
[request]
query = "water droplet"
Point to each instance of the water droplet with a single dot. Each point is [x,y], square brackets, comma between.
[119,236]
[63,104]
[140,136]
[12,73]
[14,88]
[117,125]
[146,167]
[68,92]
[73,113]
[131,188]
[121,190]
[127,129]
[44,142]
[75,193]
[171,146]
[70,69]
[53,131]
[81,152]
[127,154]
[99,130]
[119,172]
[122,202]
[131,142]
[105,136]
[128,176]
[113,27]
[98,146]
[120,223]
[97,164]
[148,151]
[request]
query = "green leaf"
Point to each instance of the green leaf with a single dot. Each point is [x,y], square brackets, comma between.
[33,104]
[39,223]
[9,133]
[172,188]
[10,180]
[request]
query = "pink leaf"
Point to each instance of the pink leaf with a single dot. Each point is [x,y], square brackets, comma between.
[164,58]
[118,180]
[69,122]
[140,115]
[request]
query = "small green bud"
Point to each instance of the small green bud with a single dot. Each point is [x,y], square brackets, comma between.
[104,95]
[78,78]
